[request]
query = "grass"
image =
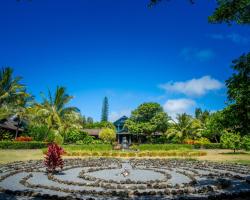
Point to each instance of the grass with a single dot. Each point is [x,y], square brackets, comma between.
[218,155]
[12,155]
[224,155]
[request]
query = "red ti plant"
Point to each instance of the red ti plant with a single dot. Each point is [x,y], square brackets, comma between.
[53,158]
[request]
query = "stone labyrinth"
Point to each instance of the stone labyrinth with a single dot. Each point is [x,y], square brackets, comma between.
[102,178]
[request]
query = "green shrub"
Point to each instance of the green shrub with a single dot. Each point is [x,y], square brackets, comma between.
[58,139]
[230,140]
[22,145]
[246,142]
[163,139]
[39,132]
[5,135]
[73,136]
[89,140]
[107,135]
[51,137]
[202,141]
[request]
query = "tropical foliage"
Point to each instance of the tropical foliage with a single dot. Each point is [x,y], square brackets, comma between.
[147,119]
[238,112]
[185,127]
[231,140]
[53,158]
[107,135]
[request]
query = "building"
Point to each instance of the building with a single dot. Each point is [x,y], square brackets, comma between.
[12,125]
[121,131]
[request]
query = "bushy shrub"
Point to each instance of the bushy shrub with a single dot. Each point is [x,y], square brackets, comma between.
[22,145]
[73,136]
[53,158]
[230,140]
[202,141]
[23,139]
[160,140]
[246,142]
[5,135]
[107,135]
[39,132]
[89,140]
[51,137]
[58,139]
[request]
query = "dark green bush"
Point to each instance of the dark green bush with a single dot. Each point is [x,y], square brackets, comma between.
[6,135]
[39,132]
[73,136]
[22,145]
[159,140]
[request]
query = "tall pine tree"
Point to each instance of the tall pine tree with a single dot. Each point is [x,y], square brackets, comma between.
[105,110]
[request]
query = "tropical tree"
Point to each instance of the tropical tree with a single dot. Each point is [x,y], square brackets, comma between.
[214,126]
[185,127]
[238,94]
[89,120]
[231,140]
[226,11]
[105,110]
[148,118]
[13,97]
[201,115]
[11,90]
[5,112]
[53,112]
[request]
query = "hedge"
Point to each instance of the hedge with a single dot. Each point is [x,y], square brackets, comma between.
[162,147]
[170,153]
[209,146]
[22,145]
[88,147]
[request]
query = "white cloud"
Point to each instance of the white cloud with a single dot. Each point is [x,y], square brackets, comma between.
[114,115]
[193,87]
[190,54]
[233,37]
[175,106]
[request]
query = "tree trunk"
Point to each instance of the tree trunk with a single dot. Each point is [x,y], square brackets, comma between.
[17,129]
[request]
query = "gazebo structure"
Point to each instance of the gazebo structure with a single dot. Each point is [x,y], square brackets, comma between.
[12,125]
[121,131]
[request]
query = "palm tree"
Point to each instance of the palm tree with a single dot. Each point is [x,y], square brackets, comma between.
[184,128]
[11,90]
[13,96]
[53,111]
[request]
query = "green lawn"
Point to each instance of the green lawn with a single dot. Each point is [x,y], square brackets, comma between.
[12,155]
[219,155]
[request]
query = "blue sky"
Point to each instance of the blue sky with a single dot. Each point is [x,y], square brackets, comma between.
[121,49]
